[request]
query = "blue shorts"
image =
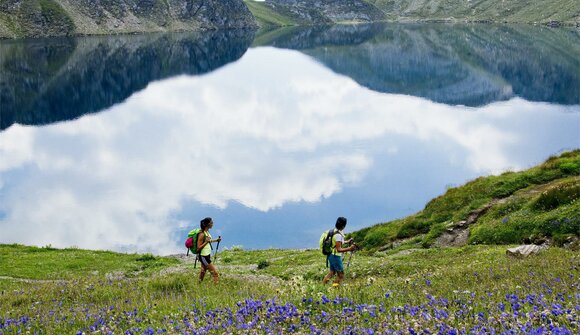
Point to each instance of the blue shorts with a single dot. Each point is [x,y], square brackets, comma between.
[335,263]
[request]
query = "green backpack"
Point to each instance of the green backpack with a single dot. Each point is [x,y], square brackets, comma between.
[326,242]
[191,241]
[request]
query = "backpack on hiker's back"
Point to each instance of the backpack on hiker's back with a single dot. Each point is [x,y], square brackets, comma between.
[191,241]
[326,242]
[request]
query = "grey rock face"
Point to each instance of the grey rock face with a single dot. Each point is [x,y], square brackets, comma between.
[36,18]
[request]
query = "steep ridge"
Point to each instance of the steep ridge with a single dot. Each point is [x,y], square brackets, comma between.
[36,18]
[538,205]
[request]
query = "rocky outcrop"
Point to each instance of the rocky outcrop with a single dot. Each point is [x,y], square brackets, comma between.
[456,234]
[325,11]
[45,81]
[36,18]
[525,250]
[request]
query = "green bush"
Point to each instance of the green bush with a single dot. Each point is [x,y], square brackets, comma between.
[380,235]
[413,228]
[146,258]
[556,226]
[263,264]
[571,168]
[557,196]
[494,235]
[505,188]
[513,205]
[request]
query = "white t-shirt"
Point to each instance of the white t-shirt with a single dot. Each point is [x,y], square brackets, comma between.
[337,237]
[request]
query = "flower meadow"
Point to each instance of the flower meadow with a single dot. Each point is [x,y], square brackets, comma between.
[478,299]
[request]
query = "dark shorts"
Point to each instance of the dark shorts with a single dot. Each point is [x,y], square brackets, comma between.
[205,260]
[335,263]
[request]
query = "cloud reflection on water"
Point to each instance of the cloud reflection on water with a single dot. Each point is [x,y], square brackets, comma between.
[291,132]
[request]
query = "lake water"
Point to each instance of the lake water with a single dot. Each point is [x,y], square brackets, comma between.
[126,142]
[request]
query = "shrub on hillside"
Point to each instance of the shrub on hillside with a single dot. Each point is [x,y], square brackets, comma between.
[380,236]
[517,228]
[263,264]
[413,228]
[559,226]
[570,168]
[146,257]
[557,196]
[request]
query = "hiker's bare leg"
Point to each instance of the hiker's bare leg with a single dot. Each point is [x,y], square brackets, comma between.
[214,273]
[328,276]
[202,272]
[339,278]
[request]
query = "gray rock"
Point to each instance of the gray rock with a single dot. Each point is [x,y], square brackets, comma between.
[525,250]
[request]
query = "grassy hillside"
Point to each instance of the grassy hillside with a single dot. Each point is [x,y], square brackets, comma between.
[519,11]
[72,291]
[515,207]
[266,17]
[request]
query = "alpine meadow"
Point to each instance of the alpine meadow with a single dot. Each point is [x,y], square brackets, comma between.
[311,167]
[401,281]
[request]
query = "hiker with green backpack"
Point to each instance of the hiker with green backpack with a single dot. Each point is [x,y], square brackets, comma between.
[332,245]
[199,242]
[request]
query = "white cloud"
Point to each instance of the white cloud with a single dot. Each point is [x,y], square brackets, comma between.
[261,138]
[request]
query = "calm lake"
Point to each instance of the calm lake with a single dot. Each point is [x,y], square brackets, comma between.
[126,142]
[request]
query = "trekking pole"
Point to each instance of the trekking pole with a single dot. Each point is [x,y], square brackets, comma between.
[216,248]
[349,258]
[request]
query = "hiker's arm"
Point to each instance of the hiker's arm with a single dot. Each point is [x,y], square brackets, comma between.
[339,247]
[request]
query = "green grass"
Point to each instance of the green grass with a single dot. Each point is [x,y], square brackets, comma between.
[49,263]
[541,202]
[477,276]
[519,11]
[266,17]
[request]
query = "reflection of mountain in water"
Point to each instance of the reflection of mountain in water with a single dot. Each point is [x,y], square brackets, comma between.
[470,65]
[43,81]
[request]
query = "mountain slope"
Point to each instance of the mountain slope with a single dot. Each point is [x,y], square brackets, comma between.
[520,11]
[516,207]
[291,12]
[36,18]
[310,12]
